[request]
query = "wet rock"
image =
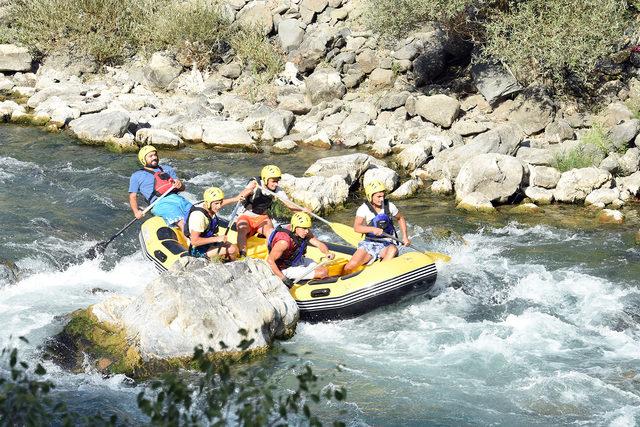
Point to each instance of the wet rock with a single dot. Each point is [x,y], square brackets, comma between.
[604,196]
[318,193]
[158,137]
[195,303]
[225,134]
[284,147]
[526,209]
[442,186]
[476,202]
[576,184]
[9,273]
[318,140]
[539,195]
[14,58]
[610,216]
[99,127]
[497,176]
[406,190]
[494,82]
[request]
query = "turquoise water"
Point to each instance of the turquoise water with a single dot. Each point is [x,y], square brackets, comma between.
[534,322]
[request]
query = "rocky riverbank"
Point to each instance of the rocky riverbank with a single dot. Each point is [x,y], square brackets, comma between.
[481,135]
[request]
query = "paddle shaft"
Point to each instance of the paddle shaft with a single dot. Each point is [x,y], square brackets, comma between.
[232,219]
[309,270]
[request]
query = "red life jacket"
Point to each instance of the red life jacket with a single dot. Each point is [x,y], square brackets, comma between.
[162,182]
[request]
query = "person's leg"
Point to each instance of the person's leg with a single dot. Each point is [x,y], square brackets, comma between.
[265,227]
[243,229]
[320,272]
[388,253]
[360,257]
[226,250]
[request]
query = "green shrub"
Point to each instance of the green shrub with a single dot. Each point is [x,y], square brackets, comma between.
[226,395]
[255,51]
[594,146]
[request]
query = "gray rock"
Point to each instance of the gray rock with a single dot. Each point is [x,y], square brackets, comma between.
[157,137]
[442,186]
[407,52]
[558,131]
[367,61]
[406,190]
[325,85]
[604,196]
[14,58]
[629,184]
[161,70]
[227,135]
[65,91]
[353,128]
[576,184]
[316,6]
[385,175]
[277,125]
[412,157]
[494,82]
[6,84]
[381,147]
[533,115]
[430,64]
[342,59]
[318,140]
[284,147]
[176,311]
[393,100]
[623,133]
[256,14]
[497,176]
[381,78]
[231,70]
[100,127]
[614,114]
[314,47]
[543,176]
[468,127]
[318,193]
[611,163]
[629,162]
[192,131]
[297,103]
[535,156]
[349,167]
[476,202]
[541,196]
[438,109]
[290,34]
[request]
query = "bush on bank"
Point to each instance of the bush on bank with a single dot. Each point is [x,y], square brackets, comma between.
[110,31]
[556,42]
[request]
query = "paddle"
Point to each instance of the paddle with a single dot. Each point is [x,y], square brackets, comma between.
[102,246]
[344,231]
[232,219]
[435,255]
[309,270]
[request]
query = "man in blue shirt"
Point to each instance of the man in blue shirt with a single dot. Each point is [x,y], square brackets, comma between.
[154,180]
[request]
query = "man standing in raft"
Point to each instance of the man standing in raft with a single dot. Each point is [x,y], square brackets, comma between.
[287,246]
[154,180]
[201,227]
[254,219]
[373,218]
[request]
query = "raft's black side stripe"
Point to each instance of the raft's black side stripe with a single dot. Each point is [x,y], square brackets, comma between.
[157,263]
[421,274]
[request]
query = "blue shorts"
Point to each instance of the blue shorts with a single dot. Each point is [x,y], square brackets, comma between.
[201,251]
[373,248]
[172,208]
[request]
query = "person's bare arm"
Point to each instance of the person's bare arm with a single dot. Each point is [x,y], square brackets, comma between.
[314,241]
[275,254]
[197,240]
[133,203]
[360,227]
[403,227]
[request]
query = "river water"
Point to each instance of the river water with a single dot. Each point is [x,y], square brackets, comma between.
[534,322]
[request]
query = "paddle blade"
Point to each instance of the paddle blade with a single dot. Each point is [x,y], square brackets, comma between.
[437,256]
[96,250]
[347,233]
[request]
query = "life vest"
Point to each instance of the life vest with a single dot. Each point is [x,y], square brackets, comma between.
[258,202]
[382,220]
[211,230]
[297,247]
[162,182]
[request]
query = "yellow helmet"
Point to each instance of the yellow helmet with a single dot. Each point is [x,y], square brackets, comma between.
[270,171]
[143,153]
[212,194]
[300,219]
[373,187]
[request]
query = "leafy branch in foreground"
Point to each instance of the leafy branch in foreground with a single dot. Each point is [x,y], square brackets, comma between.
[217,393]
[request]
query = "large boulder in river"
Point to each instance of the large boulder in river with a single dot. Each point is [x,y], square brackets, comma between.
[497,176]
[100,127]
[14,58]
[576,184]
[318,193]
[349,167]
[194,303]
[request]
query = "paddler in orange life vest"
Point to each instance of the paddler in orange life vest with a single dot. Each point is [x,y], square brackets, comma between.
[287,246]
[154,180]
[254,218]
[374,217]
[201,227]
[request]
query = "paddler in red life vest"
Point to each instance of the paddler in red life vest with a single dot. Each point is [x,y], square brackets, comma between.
[287,246]
[154,180]
[374,217]
[201,227]
[254,218]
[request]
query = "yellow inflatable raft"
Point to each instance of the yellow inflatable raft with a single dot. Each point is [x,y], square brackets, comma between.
[337,297]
